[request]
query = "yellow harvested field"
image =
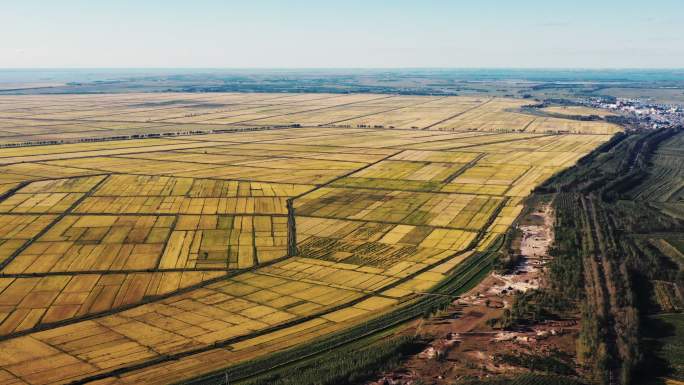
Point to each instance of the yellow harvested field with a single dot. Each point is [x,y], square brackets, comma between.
[95,243]
[212,229]
[28,302]
[578,111]
[39,203]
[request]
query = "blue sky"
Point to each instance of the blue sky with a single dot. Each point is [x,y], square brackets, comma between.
[350,33]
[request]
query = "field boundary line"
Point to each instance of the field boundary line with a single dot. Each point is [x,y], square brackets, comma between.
[317,109]
[381,112]
[458,114]
[463,169]
[537,136]
[47,228]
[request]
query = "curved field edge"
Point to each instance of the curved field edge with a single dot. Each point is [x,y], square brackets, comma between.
[466,276]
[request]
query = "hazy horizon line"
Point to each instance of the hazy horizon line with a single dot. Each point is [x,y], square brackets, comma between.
[350,68]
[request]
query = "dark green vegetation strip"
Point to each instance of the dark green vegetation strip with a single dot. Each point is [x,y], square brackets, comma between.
[610,210]
[349,365]
[544,364]
[664,340]
[525,379]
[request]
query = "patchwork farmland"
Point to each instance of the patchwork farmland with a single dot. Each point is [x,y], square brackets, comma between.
[154,238]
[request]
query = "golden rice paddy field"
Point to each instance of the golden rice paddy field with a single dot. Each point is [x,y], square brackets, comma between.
[577,111]
[160,259]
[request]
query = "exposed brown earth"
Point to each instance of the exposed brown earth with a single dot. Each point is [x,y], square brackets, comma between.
[460,342]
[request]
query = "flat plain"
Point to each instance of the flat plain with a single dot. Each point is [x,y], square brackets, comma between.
[153,238]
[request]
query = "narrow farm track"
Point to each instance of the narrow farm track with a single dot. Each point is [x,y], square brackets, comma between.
[456,115]
[470,164]
[379,112]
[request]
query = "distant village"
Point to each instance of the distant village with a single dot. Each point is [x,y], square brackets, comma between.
[641,114]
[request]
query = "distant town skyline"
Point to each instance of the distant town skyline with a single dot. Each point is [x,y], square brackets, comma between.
[349,34]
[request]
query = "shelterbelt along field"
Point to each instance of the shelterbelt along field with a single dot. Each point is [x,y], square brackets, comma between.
[156,238]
